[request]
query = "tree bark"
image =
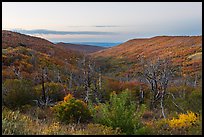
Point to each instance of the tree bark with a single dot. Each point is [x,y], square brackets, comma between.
[162,106]
[43,87]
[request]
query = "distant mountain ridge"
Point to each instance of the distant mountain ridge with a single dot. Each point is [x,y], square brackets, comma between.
[100,44]
[80,47]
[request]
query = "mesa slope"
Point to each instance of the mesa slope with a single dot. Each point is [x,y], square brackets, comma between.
[179,48]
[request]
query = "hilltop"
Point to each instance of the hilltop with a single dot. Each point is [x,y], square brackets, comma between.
[29,54]
[179,48]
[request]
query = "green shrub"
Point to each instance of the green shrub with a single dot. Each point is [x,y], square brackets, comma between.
[187,98]
[72,110]
[193,101]
[55,91]
[119,112]
[17,93]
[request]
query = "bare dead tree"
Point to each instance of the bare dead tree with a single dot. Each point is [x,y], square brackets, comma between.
[158,74]
[43,86]
[100,80]
[59,77]
[89,77]
[141,95]
[87,82]
[70,80]
[69,74]
[83,77]
[44,100]
[17,71]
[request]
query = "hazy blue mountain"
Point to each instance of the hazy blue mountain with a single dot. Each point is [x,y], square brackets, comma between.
[101,44]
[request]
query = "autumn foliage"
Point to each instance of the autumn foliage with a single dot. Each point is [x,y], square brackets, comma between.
[72,110]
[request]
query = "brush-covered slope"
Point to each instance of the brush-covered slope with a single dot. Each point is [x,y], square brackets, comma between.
[14,39]
[27,54]
[184,50]
[80,47]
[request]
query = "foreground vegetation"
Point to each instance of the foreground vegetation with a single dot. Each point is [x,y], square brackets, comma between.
[119,115]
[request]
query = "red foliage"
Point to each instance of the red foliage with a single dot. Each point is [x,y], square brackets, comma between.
[118,86]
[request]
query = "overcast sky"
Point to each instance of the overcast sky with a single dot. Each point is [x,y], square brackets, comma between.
[100,21]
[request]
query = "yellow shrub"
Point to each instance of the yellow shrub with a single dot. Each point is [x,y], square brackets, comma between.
[72,110]
[184,120]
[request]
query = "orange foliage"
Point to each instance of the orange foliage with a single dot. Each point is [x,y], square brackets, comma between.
[176,47]
[114,85]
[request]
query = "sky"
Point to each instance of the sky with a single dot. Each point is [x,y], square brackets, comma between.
[102,21]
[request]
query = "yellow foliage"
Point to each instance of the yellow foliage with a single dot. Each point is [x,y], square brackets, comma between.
[68,97]
[52,129]
[184,120]
[97,107]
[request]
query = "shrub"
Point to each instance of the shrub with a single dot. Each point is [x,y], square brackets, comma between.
[185,124]
[184,120]
[147,115]
[113,85]
[157,127]
[7,74]
[55,91]
[187,98]
[120,112]
[193,101]
[17,93]
[72,110]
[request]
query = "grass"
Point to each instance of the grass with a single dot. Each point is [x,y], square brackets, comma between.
[18,123]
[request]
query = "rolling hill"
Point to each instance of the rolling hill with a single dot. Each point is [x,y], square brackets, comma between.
[185,51]
[179,48]
[29,53]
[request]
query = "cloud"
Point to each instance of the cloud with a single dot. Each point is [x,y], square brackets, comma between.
[55,32]
[98,26]
[103,26]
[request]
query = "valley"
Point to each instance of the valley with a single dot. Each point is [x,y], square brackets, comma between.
[142,81]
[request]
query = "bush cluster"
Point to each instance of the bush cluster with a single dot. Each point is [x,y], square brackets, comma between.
[17,93]
[119,112]
[55,91]
[184,120]
[72,110]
